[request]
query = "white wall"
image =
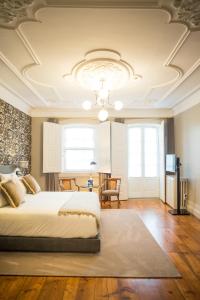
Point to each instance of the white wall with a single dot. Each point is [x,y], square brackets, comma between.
[187,143]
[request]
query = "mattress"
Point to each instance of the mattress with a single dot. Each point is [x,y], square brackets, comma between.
[38,216]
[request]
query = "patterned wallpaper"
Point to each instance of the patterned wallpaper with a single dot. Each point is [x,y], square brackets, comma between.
[15,135]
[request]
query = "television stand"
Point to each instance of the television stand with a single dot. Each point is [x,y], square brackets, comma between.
[176,212]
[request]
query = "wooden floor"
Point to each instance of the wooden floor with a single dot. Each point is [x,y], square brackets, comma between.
[179,236]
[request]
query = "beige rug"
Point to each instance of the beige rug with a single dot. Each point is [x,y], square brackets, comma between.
[127,250]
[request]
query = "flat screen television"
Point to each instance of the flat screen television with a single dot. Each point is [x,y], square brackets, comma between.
[171,163]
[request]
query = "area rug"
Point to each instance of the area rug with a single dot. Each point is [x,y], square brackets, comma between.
[127,250]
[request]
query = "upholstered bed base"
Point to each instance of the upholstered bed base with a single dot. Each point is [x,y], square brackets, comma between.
[44,244]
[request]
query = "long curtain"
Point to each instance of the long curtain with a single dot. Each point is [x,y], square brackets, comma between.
[52,182]
[169,136]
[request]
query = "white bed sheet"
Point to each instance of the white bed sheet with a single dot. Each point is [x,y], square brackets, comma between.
[38,217]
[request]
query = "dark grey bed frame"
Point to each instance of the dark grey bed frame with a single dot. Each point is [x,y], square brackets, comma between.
[46,244]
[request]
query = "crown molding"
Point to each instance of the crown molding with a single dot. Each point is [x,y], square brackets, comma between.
[80,113]
[189,102]
[11,98]
[103,4]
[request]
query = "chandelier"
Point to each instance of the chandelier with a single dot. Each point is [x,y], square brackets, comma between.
[102,101]
[103,71]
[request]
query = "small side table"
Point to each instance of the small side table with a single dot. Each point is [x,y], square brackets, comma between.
[90,188]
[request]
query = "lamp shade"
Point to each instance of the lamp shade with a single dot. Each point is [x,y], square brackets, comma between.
[23,164]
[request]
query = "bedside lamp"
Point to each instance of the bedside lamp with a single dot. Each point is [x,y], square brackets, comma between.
[23,165]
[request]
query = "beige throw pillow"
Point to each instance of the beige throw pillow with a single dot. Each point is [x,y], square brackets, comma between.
[31,184]
[12,192]
[3,201]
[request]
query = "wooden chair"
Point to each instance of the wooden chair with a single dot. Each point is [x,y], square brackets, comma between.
[110,188]
[68,185]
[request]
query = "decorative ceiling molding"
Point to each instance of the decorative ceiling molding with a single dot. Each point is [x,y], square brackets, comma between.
[104,3]
[178,77]
[13,98]
[36,62]
[21,77]
[189,102]
[178,83]
[186,12]
[168,63]
[13,12]
[102,65]
[47,86]
[16,94]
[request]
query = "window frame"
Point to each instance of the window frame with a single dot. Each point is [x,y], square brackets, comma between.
[142,127]
[81,125]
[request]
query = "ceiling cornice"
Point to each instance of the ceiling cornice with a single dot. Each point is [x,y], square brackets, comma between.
[13,13]
[189,102]
[79,113]
[14,99]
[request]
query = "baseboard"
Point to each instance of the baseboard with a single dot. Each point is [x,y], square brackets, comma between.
[194,210]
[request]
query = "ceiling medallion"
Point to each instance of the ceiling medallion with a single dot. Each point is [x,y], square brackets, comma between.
[101,72]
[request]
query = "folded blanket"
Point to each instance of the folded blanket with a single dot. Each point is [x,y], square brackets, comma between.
[82,203]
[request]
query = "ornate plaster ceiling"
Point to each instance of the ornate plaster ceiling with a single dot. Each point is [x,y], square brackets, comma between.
[42,41]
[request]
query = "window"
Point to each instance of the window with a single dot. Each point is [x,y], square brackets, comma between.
[79,147]
[143,154]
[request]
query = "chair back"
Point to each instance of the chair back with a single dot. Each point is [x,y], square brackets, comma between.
[113,183]
[67,184]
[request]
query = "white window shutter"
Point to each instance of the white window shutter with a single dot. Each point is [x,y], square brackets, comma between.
[52,149]
[119,155]
[103,148]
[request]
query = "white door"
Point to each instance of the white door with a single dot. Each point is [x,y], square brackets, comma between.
[162,161]
[143,161]
[103,147]
[119,156]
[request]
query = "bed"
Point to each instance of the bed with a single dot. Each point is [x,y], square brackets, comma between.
[39,223]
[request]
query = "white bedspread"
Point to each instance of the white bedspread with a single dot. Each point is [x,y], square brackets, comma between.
[38,216]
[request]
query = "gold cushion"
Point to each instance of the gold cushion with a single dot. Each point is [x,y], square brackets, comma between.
[110,192]
[13,192]
[31,184]
[112,184]
[3,201]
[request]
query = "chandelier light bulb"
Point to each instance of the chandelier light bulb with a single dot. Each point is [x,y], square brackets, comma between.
[103,115]
[118,105]
[87,105]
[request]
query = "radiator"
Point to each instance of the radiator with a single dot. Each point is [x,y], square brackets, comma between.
[171,191]
[184,192]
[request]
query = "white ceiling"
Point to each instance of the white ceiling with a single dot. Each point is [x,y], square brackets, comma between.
[41,45]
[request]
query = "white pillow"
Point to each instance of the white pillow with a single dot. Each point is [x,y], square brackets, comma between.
[6,177]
